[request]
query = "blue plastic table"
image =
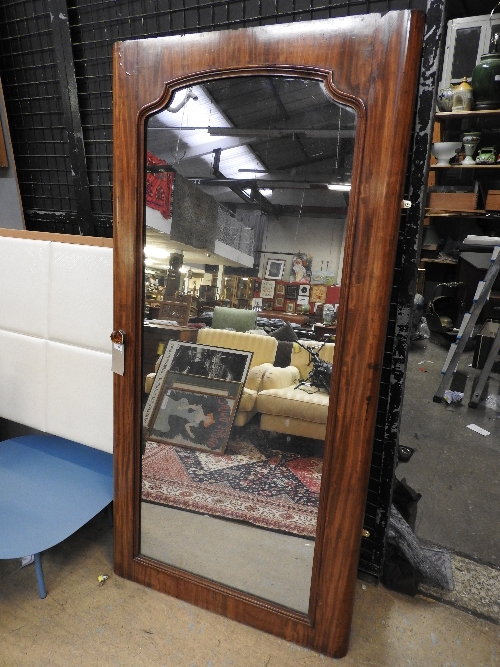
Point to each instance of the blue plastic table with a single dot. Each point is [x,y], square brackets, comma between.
[49,487]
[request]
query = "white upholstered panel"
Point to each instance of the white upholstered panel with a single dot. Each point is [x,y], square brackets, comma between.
[24,273]
[55,352]
[80,395]
[23,379]
[81,296]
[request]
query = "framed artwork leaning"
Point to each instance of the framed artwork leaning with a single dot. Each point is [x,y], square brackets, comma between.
[195,396]
[274,269]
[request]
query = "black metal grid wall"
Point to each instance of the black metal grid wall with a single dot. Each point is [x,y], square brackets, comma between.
[56,68]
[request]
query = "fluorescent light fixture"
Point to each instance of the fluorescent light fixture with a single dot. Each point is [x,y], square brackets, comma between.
[265,192]
[157,253]
[340,187]
[204,114]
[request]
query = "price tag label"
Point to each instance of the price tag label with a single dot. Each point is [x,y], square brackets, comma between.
[118,352]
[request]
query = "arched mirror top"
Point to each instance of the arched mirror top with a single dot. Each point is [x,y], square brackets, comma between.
[326,76]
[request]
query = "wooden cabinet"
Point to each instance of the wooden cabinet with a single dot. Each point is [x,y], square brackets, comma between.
[238,291]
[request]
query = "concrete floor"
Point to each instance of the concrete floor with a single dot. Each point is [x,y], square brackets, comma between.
[455,469]
[122,624]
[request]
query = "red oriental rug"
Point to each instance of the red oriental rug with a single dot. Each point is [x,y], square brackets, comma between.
[252,482]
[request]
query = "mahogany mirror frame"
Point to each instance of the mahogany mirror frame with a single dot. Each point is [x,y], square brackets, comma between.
[370,63]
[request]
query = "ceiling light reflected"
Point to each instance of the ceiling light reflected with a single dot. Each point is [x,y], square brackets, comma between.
[265,192]
[340,187]
[157,253]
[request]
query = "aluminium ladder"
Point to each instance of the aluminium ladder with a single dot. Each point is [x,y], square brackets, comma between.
[485,372]
[469,320]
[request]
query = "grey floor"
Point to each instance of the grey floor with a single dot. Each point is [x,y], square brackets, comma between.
[456,470]
[122,624]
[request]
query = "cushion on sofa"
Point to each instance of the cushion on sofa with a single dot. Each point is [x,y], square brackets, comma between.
[263,347]
[233,318]
[297,403]
[285,333]
[247,401]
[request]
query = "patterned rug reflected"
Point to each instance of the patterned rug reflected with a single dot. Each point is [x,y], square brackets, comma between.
[263,479]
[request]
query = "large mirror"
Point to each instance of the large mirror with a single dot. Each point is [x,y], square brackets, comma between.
[230,487]
[258,186]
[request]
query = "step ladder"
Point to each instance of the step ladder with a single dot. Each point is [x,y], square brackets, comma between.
[469,320]
[485,372]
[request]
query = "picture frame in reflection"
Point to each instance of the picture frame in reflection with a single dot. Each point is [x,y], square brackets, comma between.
[267,289]
[195,395]
[274,269]
[194,412]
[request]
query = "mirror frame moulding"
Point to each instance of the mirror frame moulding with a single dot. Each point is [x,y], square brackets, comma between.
[369,63]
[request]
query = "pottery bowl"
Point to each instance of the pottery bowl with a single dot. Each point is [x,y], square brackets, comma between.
[445,150]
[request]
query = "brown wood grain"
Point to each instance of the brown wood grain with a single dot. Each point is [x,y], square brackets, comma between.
[369,62]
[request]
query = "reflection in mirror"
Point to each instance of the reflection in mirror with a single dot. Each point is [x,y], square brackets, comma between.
[247,188]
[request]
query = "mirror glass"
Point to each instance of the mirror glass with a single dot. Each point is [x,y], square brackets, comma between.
[247,191]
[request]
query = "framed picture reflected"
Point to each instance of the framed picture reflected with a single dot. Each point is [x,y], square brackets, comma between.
[301,268]
[274,269]
[318,293]
[267,289]
[292,291]
[290,307]
[267,304]
[195,394]
[304,290]
[280,289]
[279,303]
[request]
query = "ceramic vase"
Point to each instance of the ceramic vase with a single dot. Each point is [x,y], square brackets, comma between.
[486,82]
[462,96]
[470,141]
[445,99]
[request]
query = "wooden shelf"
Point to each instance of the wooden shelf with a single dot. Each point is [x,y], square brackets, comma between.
[433,167]
[430,260]
[434,213]
[445,115]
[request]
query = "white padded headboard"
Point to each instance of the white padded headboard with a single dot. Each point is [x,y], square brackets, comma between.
[56,315]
